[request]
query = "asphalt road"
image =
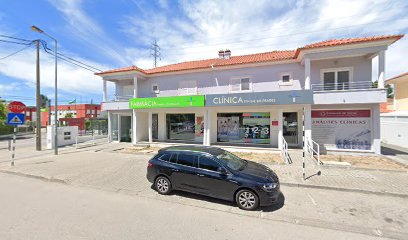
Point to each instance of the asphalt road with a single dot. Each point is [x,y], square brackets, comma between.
[34,209]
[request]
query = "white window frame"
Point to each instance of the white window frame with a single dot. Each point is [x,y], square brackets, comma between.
[289,83]
[336,70]
[157,86]
[195,89]
[240,84]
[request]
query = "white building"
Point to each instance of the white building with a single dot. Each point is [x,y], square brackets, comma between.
[258,99]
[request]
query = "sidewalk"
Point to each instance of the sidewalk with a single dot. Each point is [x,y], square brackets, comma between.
[101,166]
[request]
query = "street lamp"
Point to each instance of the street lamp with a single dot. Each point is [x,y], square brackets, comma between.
[37,29]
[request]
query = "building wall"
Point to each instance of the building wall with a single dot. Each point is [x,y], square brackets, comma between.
[264,78]
[394,130]
[361,68]
[401,95]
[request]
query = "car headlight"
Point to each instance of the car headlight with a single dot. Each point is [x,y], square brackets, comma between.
[269,187]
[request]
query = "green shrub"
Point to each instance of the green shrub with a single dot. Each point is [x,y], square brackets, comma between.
[5,130]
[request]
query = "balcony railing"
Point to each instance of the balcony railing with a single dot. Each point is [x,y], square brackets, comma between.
[345,86]
[119,98]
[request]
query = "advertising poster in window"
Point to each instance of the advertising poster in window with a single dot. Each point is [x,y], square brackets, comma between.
[243,128]
[256,127]
[199,126]
[342,129]
[228,129]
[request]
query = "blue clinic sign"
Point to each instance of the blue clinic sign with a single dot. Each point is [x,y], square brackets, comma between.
[15,119]
[260,98]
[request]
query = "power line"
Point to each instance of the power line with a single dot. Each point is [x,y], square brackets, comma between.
[45,46]
[15,38]
[62,57]
[14,53]
[155,52]
[7,41]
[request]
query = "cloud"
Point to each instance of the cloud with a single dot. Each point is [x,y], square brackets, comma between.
[203,27]
[87,30]
[70,78]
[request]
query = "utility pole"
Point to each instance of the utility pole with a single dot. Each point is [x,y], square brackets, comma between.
[49,112]
[155,52]
[38,99]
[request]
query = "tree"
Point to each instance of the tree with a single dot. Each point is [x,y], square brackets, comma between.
[390,90]
[44,100]
[3,112]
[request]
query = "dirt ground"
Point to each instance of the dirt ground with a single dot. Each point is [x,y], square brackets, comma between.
[256,157]
[371,162]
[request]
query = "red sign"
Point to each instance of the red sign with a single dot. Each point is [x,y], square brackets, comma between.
[275,123]
[341,113]
[16,107]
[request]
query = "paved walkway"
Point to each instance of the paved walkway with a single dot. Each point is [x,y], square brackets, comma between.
[101,159]
[396,153]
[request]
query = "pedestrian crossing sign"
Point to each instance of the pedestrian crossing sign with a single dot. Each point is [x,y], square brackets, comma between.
[15,118]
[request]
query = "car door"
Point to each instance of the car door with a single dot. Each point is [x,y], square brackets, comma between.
[212,182]
[183,170]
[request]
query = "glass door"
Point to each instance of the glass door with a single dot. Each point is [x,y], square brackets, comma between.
[115,127]
[125,128]
[155,126]
[290,128]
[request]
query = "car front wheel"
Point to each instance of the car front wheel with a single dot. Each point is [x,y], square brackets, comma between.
[247,200]
[163,185]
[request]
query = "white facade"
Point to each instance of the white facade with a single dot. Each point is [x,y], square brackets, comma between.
[340,78]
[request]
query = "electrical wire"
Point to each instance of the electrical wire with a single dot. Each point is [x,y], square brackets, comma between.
[15,38]
[69,59]
[14,53]
[45,46]
[7,41]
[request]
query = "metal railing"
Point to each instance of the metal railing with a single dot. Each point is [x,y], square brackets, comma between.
[285,151]
[123,97]
[344,86]
[313,149]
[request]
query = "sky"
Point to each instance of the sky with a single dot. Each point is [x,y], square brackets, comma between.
[109,34]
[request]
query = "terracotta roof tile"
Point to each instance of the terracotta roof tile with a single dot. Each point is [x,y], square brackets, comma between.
[251,58]
[398,76]
[234,60]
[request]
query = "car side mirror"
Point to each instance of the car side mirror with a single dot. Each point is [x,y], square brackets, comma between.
[222,171]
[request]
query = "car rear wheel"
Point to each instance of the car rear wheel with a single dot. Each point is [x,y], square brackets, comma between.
[247,200]
[162,185]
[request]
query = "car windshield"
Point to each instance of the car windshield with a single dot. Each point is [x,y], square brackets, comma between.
[232,161]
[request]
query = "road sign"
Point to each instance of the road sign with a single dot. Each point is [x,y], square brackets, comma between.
[16,107]
[15,118]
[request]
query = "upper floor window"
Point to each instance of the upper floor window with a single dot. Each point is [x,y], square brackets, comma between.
[336,79]
[286,79]
[128,90]
[155,88]
[188,87]
[240,84]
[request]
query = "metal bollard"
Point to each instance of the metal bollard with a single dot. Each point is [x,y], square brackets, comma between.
[14,147]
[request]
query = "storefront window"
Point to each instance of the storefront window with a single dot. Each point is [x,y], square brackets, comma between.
[243,128]
[180,126]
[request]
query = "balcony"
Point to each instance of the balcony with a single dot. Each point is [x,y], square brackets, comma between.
[117,102]
[348,92]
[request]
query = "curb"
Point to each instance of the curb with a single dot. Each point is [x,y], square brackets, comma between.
[300,185]
[55,180]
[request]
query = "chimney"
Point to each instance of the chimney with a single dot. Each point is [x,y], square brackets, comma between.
[227,54]
[221,54]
